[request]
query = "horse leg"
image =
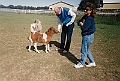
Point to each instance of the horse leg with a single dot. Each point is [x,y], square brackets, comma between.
[35,46]
[29,49]
[31,43]
[48,46]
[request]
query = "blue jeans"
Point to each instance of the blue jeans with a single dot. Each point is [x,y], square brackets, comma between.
[66,31]
[85,49]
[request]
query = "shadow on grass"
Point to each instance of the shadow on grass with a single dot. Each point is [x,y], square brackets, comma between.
[68,55]
[42,47]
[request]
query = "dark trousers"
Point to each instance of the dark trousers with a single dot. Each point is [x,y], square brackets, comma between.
[66,31]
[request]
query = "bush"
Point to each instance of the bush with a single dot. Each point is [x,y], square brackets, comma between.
[104,19]
[108,19]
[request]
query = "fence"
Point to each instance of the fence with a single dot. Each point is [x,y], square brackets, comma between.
[48,11]
[26,11]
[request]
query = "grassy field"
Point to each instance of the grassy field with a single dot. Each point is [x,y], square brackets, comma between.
[17,64]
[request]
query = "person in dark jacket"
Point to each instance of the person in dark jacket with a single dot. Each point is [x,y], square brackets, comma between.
[66,19]
[87,25]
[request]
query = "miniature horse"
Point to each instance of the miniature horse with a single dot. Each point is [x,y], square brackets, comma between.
[45,38]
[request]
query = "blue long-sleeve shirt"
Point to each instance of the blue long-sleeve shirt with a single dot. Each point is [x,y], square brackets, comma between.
[88,27]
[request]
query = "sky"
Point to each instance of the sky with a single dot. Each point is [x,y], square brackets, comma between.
[111,1]
[42,3]
[36,3]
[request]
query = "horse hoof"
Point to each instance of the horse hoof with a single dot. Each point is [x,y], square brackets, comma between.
[46,51]
[29,50]
[38,52]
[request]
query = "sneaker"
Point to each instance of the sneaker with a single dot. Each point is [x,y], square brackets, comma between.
[79,65]
[65,51]
[58,49]
[91,64]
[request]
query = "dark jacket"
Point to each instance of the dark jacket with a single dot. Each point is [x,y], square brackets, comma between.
[88,27]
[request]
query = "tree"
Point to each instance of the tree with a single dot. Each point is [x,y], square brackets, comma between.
[19,7]
[24,7]
[100,3]
[97,3]
[2,6]
[11,6]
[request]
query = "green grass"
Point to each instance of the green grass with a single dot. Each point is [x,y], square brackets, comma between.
[17,64]
[108,19]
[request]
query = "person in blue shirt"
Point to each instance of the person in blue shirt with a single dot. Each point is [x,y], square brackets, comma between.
[87,25]
[66,19]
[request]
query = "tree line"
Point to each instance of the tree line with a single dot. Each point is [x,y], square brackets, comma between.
[23,7]
[97,3]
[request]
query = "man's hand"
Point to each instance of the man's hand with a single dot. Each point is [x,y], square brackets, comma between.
[59,30]
[68,24]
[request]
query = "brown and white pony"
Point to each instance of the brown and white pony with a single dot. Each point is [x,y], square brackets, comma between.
[45,38]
